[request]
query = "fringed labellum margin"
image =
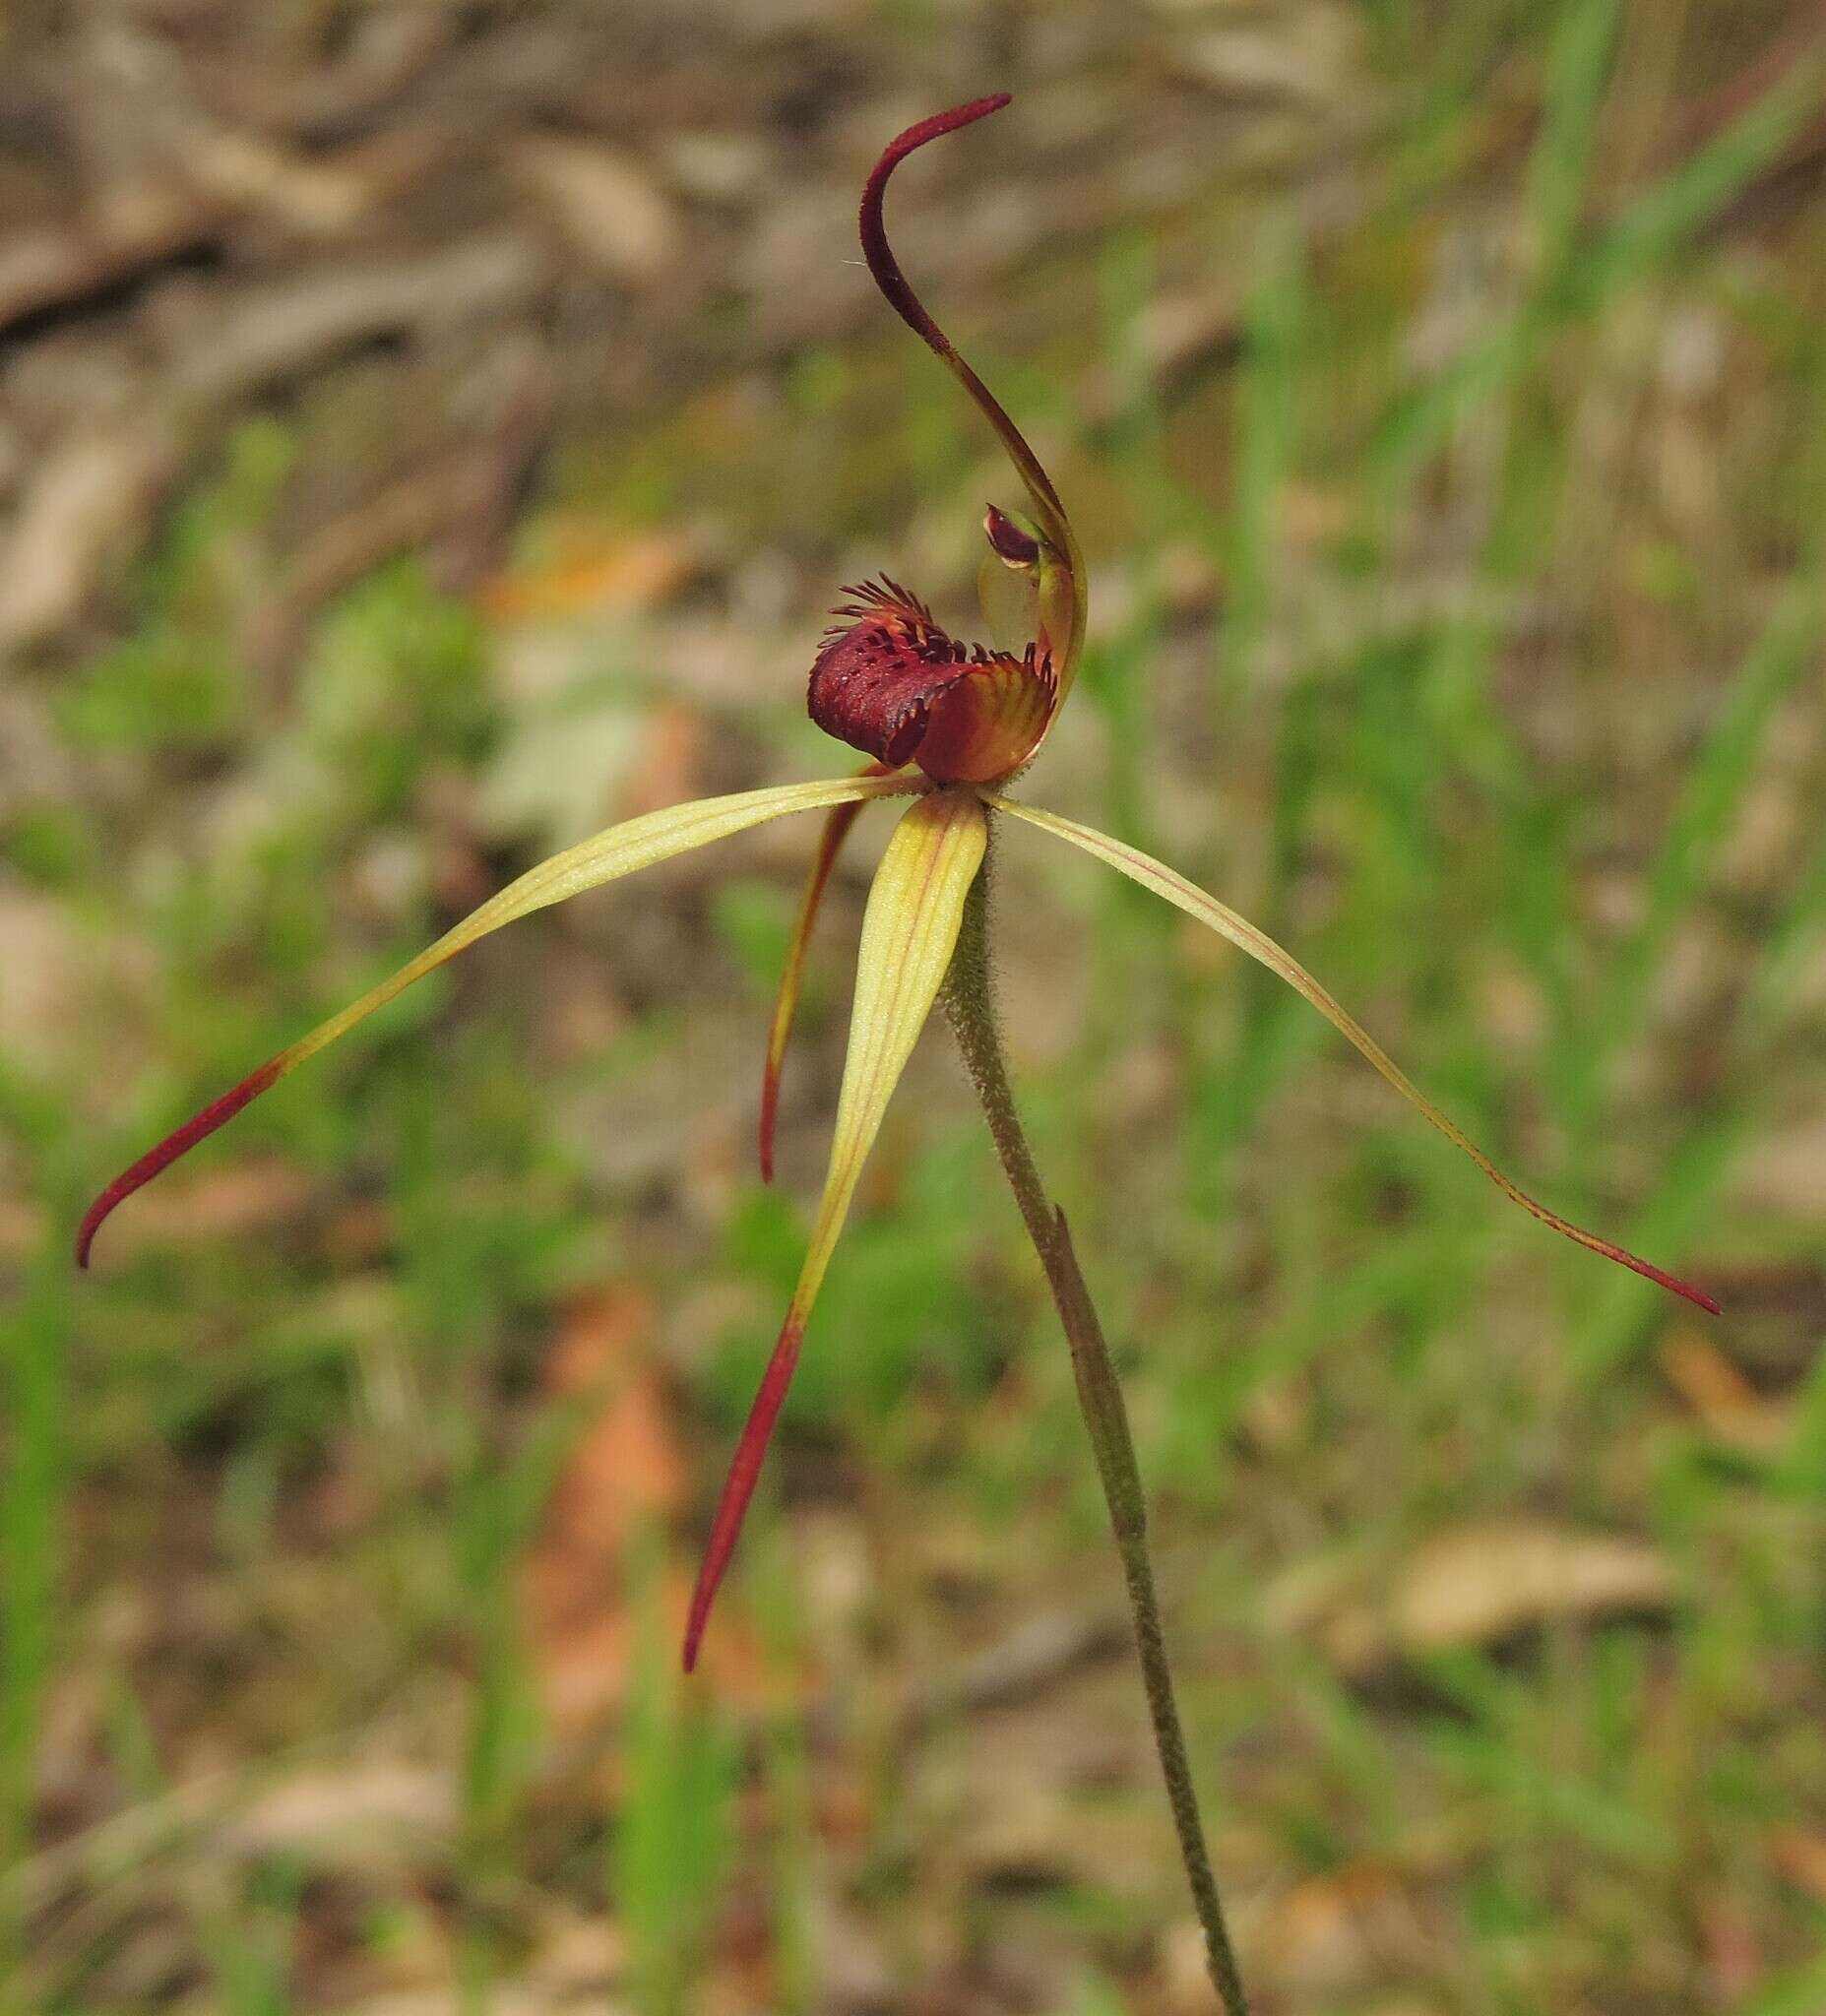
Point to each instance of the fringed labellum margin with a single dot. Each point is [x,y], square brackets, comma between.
[889,681]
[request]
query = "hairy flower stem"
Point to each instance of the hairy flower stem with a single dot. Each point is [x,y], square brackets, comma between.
[969,1003]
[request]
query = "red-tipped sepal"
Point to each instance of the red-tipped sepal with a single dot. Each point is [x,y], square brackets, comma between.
[738,1486]
[1634,1262]
[180,1141]
[882,262]
[1247,938]
[623,849]
[1059,567]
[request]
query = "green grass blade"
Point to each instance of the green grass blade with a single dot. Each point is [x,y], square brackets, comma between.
[1710,801]
[34,1339]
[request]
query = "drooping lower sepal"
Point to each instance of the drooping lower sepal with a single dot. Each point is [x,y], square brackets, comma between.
[915,909]
[837,824]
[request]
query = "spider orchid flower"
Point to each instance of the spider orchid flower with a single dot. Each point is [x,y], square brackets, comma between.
[947,726]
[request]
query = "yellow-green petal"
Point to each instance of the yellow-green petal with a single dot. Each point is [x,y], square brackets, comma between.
[915,907]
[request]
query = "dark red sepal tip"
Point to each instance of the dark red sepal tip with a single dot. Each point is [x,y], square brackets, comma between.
[875,249]
[1684,1288]
[156,1159]
[738,1486]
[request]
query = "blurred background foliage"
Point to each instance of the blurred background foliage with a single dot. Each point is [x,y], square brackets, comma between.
[430,432]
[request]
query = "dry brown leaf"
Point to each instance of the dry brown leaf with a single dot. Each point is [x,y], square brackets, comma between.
[1703,1376]
[352,1809]
[1476,1586]
[1784,1171]
[610,208]
[321,199]
[1303,59]
[1023,1831]
[83,509]
[1340,1931]
[586,1952]
[1728,1406]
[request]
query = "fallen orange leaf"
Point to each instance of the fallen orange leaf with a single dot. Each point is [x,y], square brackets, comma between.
[1726,1405]
[1801,1859]
[591,572]
[625,1471]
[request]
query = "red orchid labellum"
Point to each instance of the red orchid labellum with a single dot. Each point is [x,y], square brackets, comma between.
[947,726]
[890,681]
